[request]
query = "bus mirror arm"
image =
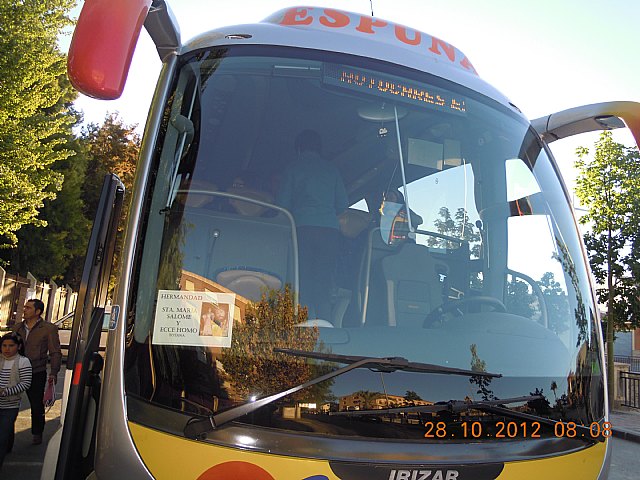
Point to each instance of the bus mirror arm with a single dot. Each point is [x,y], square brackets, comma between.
[162,27]
[589,118]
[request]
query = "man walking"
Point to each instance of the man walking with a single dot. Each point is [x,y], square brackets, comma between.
[41,342]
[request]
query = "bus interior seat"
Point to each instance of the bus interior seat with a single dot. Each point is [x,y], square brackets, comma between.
[372,307]
[249,209]
[353,222]
[413,285]
[247,282]
[341,301]
[315,322]
[199,200]
[456,268]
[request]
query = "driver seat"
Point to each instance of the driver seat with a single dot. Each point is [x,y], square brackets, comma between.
[413,285]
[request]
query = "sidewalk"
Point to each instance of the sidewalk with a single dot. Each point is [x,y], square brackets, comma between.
[25,461]
[626,424]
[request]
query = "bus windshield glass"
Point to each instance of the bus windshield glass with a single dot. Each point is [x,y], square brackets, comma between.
[307,207]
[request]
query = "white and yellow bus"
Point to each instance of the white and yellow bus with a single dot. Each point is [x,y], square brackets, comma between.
[450,330]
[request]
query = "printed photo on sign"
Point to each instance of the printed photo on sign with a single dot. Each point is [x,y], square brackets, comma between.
[194,318]
[214,320]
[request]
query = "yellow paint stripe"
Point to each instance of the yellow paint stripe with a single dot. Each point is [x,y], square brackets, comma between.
[170,457]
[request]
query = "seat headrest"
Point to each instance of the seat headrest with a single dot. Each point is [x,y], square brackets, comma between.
[353,222]
[248,283]
[247,208]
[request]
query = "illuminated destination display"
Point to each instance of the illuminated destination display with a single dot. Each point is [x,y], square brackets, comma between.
[390,88]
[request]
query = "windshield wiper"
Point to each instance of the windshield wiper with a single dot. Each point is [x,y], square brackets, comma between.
[582,432]
[489,406]
[387,364]
[196,428]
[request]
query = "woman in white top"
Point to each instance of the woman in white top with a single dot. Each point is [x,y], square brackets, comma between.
[15,378]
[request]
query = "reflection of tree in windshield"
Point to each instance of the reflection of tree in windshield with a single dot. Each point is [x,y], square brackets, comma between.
[580,312]
[521,300]
[254,369]
[557,303]
[458,227]
[172,253]
[541,405]
[483,382]
[169,360]
[411,396]
[366,398]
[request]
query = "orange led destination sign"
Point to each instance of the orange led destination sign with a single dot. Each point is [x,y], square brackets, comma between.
[391,88]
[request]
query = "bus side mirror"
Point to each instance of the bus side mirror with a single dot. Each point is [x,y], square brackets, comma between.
[102,46]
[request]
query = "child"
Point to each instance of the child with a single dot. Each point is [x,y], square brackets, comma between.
[15,378]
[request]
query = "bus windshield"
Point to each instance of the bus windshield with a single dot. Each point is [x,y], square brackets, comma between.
[335,207]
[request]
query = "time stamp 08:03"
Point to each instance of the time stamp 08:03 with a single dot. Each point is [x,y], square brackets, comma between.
[467,430]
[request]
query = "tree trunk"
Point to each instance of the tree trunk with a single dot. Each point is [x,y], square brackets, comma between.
[610,323]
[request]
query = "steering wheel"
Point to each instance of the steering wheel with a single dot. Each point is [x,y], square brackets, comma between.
[437,313]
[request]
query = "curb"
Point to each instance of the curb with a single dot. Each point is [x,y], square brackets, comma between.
[626,435]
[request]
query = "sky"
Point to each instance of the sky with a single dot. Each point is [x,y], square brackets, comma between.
[545,55]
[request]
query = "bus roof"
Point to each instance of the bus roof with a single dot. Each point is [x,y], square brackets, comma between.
[356,34]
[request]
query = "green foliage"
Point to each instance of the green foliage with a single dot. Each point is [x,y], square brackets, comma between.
[254,368]
[459,227]
[608,185]
[368,398]
[113,147]
[410,396]
[519,299]
[57,251]
[54,248]
[482,382]
[34,122]
[556,301]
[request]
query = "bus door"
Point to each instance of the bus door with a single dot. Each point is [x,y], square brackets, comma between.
[75,457]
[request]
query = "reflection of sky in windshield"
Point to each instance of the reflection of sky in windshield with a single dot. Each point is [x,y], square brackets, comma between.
[451,189]
[533,254]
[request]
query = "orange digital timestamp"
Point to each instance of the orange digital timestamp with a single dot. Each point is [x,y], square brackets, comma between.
[513,429]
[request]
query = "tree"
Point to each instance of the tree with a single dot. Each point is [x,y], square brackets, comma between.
[113,147]
[483,382]
[607,185]
[519,299]
[557,302]
[368,398]
[57,251]
[411,395]
[459,227]
[34,124]
[252,365]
